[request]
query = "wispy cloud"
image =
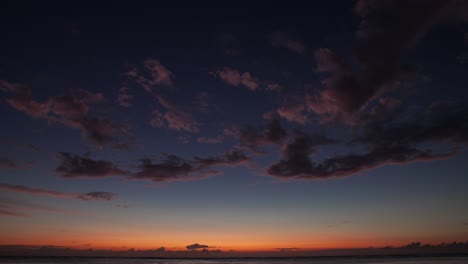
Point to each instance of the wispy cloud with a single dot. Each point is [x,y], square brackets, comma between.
[282,39]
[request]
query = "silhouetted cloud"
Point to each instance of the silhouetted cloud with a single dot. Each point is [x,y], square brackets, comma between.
[124,98]
[72,166]
[57,194]
[174,168]
[97,196]
[387,32]
[286,40]
[253,138]
[196,246]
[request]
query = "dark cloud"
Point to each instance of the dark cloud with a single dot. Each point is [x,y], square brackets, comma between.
[57,194]
[386,142]
[8,164]
[72,166]
[253,138]
[387,32]
[233,157]
[285,40]
[229,43]
[196,246]
[174,168]
[97,196]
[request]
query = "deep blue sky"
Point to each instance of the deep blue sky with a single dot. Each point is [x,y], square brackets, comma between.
[239,126]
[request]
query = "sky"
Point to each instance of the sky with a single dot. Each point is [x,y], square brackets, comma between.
[233,127]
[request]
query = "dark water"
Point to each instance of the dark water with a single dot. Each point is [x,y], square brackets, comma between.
[333,260]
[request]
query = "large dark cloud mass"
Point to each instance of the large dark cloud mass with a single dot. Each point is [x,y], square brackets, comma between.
[387,33]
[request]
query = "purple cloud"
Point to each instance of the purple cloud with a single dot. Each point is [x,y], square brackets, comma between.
[285,40]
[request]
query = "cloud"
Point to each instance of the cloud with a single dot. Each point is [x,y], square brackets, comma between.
[228,43]
[29,190]
[235,78]
[97,196]
[232,157]
[124,98]
[285,40]
[387,32]
[8,164]
[57,194]
[73,166]
[22,99]
[293,113]
[196,246]
[175,168]
[69,110]
[253,138]
[211,140]
[173,118]
[154,74]
[386,142]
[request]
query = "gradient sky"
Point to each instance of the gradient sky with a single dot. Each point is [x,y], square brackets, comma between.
[240,126]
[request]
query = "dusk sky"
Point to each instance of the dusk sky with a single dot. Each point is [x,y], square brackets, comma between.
[235,126]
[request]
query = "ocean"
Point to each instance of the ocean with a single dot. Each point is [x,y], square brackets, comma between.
[314,260]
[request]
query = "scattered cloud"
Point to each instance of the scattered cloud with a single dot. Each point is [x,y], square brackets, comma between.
[73,166]
[234,77]
[30,190]
[97,196]
[68,110]
[175,168]
[285,40]
[174,118]
[253,138]
[152,74]
[8,164]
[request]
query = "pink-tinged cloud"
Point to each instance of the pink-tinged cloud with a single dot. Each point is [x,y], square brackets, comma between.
[152,74]
[173,118]
[235,78]
[294,113]
[57,194]
[285,40]
[68,110]
[230,76]
[159,73]
[30,190]
[124,98]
